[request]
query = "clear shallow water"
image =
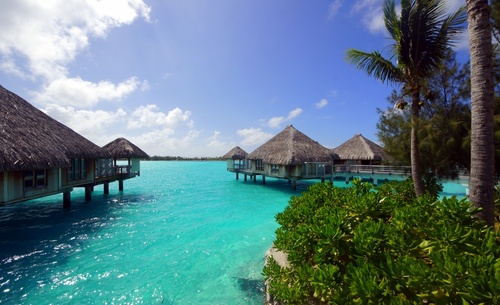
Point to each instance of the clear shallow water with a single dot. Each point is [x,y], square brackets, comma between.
[181,233]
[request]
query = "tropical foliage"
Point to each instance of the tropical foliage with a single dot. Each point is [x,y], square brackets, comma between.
[359,246]
[445,122]
[421,35]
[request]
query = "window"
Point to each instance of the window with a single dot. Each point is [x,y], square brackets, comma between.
[259,165]
[70,174]
[77,170]
[41,180]
[275,168]
[83,169]
[28,180]
[35,179]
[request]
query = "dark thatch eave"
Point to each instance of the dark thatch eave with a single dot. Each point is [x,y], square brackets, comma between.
[122,148]
[360,148]
[30,139]
[236,154]
[291,147]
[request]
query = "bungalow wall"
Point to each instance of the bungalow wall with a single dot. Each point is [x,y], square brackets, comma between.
[235,164]
[282,171]
[80,173]
[135,165]
[104,168]
[20,185]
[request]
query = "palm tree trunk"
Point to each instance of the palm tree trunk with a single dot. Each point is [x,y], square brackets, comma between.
[482,173]
[416,171]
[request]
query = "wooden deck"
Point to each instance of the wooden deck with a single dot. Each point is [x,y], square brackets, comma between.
[373,173]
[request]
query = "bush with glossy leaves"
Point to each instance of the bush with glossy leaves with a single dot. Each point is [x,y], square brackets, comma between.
[363,246]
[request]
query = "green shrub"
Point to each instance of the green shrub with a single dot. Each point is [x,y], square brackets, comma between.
[360,246]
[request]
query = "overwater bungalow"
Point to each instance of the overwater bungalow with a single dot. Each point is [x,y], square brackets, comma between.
[236,160]
[39,156]
[360,151]
[291,155]
[125,163]
[360,158]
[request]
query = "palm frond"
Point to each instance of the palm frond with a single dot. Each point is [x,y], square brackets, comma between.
[443,37]
[374,64]
[391,20]
[427,33]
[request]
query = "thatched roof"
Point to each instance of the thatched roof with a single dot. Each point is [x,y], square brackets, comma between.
[360,148]
[124,149]
[291,147]
[30,139]
[236,154]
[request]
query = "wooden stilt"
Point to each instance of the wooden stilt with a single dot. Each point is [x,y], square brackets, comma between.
[323,180]
[106,188]
[254,178]
[245,177]
[263,179]
[237,176]
[67,200]
[294,184]
[88,193]
[120,185]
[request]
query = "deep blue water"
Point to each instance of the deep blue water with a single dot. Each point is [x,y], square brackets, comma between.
[181,233]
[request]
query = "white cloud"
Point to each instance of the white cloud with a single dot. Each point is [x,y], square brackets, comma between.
[80,93]
[162,138]
[372,14]
[49,34]
[166,142]
[253,136]
[148,116]
[373,18]
[334,7]
[363,5]
[9,66]
[217,146]
[321,103]
[275,122]
[87,123]
[38,39]
[214,139]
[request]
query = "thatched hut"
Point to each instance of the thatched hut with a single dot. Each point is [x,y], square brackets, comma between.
[39,156]
[123,150]
[237,153]
[360,151]
[236,159]
[292,155]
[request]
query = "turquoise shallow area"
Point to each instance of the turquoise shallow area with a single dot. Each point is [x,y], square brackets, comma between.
[181,233]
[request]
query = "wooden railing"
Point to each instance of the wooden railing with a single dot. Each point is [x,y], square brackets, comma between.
[122,169]
[373,169]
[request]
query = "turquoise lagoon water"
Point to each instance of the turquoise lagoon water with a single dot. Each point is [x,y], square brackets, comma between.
[181,233]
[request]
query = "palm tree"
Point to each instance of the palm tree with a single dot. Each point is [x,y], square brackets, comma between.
[482,173]
[421,36]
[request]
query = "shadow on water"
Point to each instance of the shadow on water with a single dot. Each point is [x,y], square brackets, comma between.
[38,234]
[252,288]
[281,185]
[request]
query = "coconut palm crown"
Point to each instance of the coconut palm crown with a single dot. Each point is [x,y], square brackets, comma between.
[421,34]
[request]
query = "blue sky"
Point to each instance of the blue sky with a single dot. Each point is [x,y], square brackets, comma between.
[196,78]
